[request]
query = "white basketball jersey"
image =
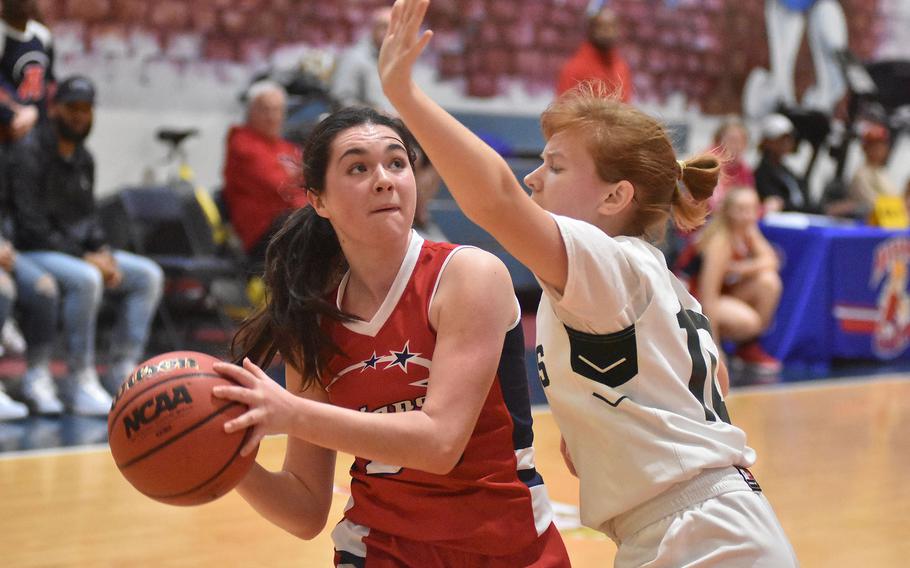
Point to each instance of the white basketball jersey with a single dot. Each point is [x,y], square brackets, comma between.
[629,368]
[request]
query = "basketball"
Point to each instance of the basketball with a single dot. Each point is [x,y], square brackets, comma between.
[166,430]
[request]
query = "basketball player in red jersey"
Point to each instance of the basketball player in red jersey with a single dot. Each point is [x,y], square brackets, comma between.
[407,354]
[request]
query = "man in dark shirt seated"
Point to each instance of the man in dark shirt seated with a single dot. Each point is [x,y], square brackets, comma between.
[779,188]
[52,178]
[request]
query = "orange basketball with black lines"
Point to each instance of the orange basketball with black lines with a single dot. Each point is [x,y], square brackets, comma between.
[166,430]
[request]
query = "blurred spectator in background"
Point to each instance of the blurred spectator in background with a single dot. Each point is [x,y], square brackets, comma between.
[731,140]
[428,184]
[260,171]
[26,68]
[598,57]
[32,292]
[52,178]
[9,408]
[871,180]
[737,282]
[356,82]
[778,187]
[356,77]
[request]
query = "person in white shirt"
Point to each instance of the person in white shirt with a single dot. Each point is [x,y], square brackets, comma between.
[355,80]
[624,351]
[871,180]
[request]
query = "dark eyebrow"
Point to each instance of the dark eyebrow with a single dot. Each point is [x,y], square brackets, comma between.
[357,151]
[352,151]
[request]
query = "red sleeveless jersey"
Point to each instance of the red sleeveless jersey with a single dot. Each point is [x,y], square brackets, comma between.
[482,505]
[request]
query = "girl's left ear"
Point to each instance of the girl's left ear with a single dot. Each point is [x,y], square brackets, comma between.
[616,197]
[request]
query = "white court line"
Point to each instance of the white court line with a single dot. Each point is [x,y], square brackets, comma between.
[52,452]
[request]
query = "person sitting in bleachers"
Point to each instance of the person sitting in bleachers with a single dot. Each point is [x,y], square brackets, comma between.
[52,178]
[871,181]
[428,184]
[599,57]
[31,291]
[26,68]
[356,77]
[259,171]
[735,277]
[731,140]
[779,188]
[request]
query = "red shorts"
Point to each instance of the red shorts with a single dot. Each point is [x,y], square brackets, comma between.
[386,551]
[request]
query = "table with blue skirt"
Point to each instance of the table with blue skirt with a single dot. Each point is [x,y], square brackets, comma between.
[844,291]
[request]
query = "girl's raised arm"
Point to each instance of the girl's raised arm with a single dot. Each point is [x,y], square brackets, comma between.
[478,178]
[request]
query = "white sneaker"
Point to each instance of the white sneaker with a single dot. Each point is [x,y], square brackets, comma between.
[40,392]
[11,409]
[84,394]
[11,338]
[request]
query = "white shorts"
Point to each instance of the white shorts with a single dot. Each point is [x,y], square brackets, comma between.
[736,528]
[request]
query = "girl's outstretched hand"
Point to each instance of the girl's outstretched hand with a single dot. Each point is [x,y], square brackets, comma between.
[270,407]
[402,46]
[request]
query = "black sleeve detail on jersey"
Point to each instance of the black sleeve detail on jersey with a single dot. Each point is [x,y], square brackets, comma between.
[527,476]
[513,382]
[610,359]
[346,558]
[614,405]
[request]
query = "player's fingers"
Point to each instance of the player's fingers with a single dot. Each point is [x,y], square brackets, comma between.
[238,394]
[424,40]
[566,456]
[395,19]
[245,420]
[420,11]
[252,442]
[255,369]
[413,17]
[235,372]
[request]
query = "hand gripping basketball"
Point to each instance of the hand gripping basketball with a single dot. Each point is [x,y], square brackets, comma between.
[166,431]
[270,407]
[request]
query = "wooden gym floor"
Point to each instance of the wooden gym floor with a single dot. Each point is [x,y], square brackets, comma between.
[834,459]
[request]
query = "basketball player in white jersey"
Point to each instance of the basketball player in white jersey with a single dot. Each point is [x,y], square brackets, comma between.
[624,352]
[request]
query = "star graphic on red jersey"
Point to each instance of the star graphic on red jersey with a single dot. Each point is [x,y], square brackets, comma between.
[370,363]
[402,357]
